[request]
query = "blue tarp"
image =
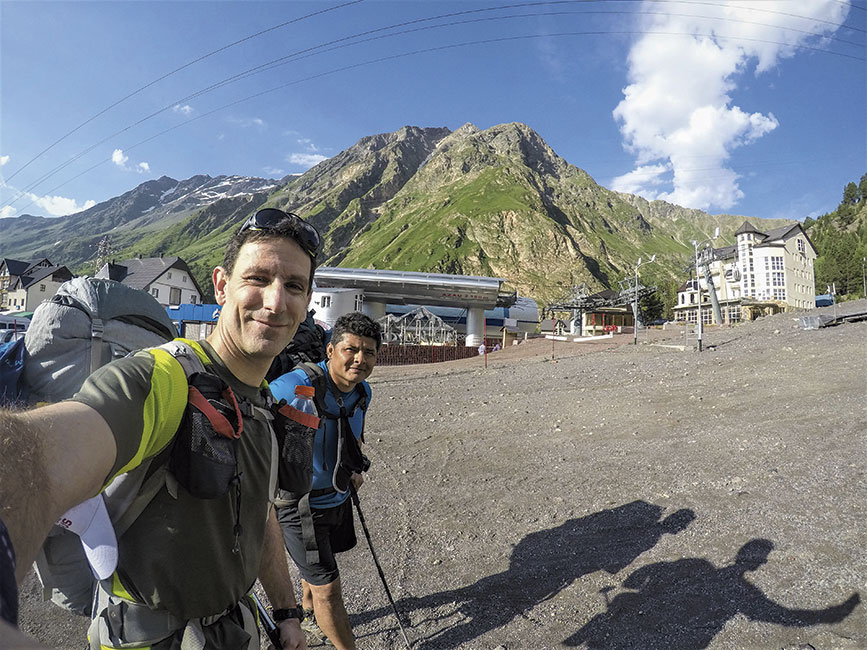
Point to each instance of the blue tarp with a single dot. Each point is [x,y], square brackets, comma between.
[194,313]
[824,300]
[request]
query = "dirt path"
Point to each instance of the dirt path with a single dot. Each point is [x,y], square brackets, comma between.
[620,497]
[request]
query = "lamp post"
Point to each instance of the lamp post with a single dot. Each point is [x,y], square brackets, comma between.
[635,299]
[698,245]
[864,275]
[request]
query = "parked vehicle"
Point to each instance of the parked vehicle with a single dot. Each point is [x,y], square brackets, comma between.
[10,335]
[12,327]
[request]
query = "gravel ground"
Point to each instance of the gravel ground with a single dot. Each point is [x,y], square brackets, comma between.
[615,497]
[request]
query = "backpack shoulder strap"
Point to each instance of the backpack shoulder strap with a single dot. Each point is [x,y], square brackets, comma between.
[363,396]
[155,474]
[185,355]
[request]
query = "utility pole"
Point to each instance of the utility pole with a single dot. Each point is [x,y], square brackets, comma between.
[864,275]
[698,245]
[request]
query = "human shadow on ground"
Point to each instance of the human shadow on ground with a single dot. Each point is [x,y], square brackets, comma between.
[543,564]
[684,604]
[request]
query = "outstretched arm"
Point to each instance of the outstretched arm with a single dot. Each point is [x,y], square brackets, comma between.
[51,459]
[275,578]
[761,608]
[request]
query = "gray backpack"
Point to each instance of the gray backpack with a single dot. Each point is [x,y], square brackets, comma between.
[88,323]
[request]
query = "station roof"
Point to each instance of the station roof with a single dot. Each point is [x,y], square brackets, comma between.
[414,288]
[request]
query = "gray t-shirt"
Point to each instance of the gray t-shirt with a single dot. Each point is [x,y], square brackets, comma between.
[178,554]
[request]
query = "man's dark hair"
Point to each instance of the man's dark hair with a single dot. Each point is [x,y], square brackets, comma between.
[285,230]
[359,324]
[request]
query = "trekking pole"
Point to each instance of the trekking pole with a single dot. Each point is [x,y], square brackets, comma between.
[269,625]
[355,501]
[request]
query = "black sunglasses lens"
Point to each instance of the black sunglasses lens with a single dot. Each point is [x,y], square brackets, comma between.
[269,218]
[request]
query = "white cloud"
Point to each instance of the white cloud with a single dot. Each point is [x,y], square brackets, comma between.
[3,160]
[249,122]
[551,57]
[677,112]
[309,144]
[7,211]
[59,206]
[186,109]
[305,160]
[273,171]
[121,160]
[639,179]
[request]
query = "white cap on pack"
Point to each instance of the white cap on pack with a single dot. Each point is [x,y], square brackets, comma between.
[89,520]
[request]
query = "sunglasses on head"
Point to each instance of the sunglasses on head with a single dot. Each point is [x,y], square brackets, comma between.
[270,218]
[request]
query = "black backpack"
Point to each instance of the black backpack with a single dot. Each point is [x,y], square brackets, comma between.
[308,345]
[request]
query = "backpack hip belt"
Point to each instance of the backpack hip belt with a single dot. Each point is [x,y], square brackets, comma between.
[122,623]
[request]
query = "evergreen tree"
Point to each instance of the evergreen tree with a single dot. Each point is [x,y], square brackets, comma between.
[862,186]
[651,306]
[851,194]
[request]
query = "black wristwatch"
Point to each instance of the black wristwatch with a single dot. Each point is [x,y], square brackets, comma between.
[282,614]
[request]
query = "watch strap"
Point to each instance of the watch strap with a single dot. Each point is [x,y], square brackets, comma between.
[283,614]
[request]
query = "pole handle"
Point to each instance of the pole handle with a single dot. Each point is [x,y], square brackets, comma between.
[268,623]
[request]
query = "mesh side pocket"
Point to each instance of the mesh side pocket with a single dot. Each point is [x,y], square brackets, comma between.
[203,461]
[205,443]
[295,473]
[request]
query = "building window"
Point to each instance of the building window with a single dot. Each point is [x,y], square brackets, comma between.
[169,275]
[174,296]
[193,299]
[779,294]
[359,301]
[42,288]
[184,278]
[777,263]
[779,279]
[802,247]
[325,302]
[155,293]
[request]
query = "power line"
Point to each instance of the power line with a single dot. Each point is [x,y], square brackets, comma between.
[169,74]
[312,51]
[342,43]
[307,52]
[381,60]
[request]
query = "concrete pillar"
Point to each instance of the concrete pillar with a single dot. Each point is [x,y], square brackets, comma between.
[373,308]
[475,326]
[575,323]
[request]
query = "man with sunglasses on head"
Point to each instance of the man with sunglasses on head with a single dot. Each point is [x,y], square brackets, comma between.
[185,565]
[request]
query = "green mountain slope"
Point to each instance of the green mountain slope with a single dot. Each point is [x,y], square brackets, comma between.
[496,202]
[841,239]
[501,202]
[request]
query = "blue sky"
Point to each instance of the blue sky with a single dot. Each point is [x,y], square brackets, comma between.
[753,107]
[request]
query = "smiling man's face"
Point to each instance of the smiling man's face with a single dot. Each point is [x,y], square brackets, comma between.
[351,360]
[264,299]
